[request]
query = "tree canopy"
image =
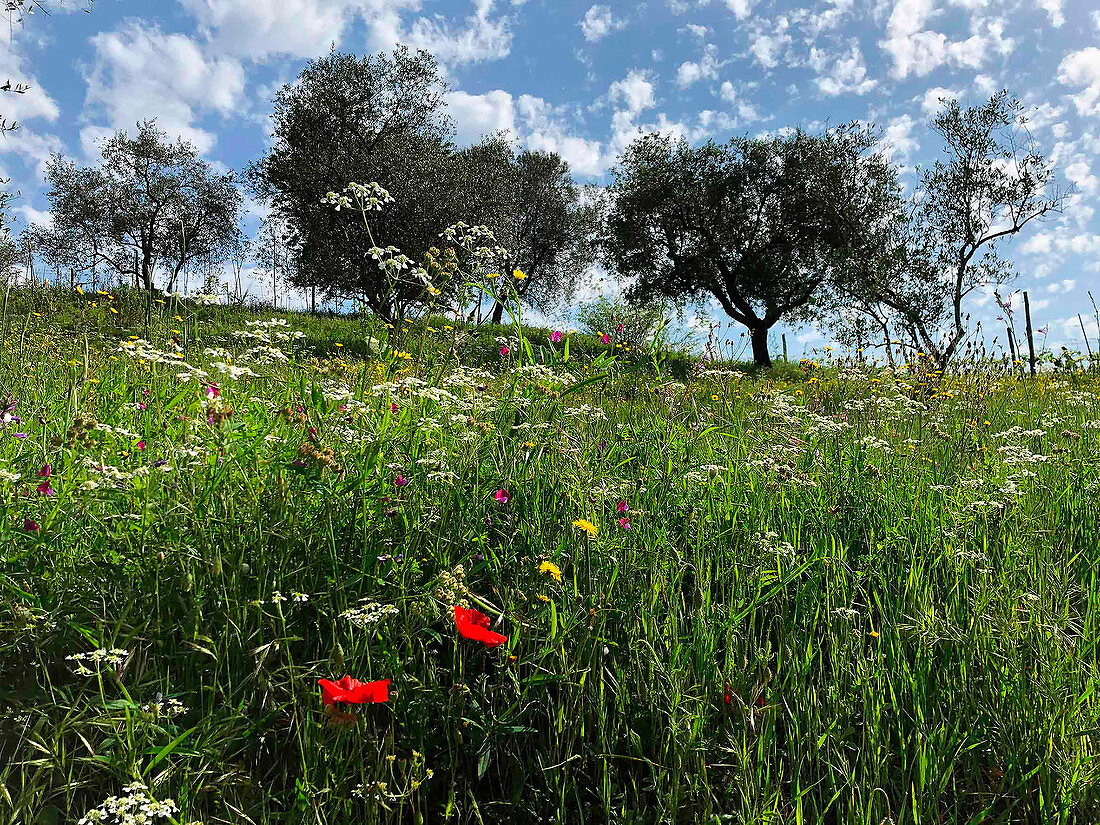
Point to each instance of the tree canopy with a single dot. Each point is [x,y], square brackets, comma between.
[991,182]
[760,224]
[150,201]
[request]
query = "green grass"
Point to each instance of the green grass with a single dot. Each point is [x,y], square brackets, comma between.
[893,580]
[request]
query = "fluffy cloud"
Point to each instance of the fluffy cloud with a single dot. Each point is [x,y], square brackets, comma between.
[898,140]
[915,50]
[707,67]
[598,22]
[842,73]
[481,38]
[1054,9]
[930,101]
[477,115]
[635,92]
[141,73]
[1082,68]
[767,47]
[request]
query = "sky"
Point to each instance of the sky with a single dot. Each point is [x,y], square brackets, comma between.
[584,80]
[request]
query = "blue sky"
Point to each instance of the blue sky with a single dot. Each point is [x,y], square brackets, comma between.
[582,79]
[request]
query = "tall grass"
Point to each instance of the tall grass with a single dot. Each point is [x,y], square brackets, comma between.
[850,597]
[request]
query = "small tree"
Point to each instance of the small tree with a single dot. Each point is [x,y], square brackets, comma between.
[149,201]
[762,225]
[536,211]
[992,183]
[346,119]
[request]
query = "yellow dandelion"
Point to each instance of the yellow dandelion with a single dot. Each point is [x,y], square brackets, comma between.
[542,597]
[587,526]
[493,275]
[518,274]
[338,344]
[714,398]
[548,568]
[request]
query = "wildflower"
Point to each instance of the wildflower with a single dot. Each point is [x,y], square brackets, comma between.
[338,344]
[586,526]
[555,336]
[874,634]
[501,496]
[393,407]
[400,481]
[550,569]
[45,471]
[45,489]
[493,275]
[504,350]
[473,624]
[31,526]
[212,391]
[624,522]
[542,597]
[620,328]
[354,692]
[518,275]
[605,339]
[141,445]
[728,697]
[622,507]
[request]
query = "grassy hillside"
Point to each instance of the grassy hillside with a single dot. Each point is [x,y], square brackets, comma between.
[849,596]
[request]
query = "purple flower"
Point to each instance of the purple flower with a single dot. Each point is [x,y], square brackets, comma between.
[555,337]
[400,481]
[45,489]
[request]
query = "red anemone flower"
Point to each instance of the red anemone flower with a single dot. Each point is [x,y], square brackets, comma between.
[473,624]
[353,691]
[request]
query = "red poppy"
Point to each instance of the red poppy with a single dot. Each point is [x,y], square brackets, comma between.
[353,691]
[729,699]
[473,624]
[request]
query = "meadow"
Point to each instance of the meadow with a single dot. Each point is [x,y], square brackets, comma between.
[831,593]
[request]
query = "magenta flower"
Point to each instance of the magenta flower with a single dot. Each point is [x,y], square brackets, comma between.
[393,406]
[141,406]
[619,331]
[622,507]
[624,522]
[606,339]
[555,337]
[30,526]
[141,445]
[44,488]
[504,351]
[502,496]
[400,481]
[212,391]
[45,471]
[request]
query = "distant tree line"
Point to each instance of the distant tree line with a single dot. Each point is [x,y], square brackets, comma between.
[790,227]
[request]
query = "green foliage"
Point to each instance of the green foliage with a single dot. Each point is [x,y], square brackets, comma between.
[764,225]
[857,596]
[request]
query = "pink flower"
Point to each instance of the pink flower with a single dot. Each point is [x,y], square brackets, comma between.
[501,496]
[141,445]
[45,489]
[555,337]
[212,391]
[393,407]
[504,351]
[400,481]
[606,339]
[619,331]
[45,471]
[141,406]
[624,522]
[622,507]
[30,526]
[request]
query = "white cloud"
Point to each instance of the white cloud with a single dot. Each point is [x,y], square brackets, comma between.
[635,91]
[740,8]
[477,115]
[260,28]
[915,50]
[1080,174]
[1066,285]
[544,129]
[769,48]
[482,38]
[141,73]
[898,141]
[599,22]
[930,101]
[697,30]
[1082,68]
[985,84]
[707,67]
[1054,9]
[847,74]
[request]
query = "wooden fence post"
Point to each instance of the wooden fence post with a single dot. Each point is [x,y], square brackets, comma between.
[1030,337]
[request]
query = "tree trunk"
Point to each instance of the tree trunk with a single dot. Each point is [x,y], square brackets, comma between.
[759,338]
[498,312]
